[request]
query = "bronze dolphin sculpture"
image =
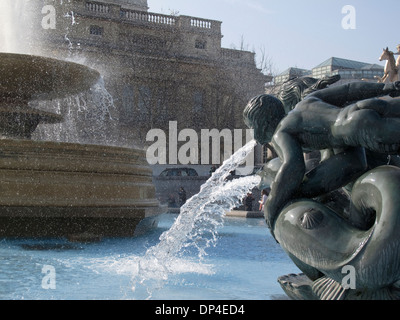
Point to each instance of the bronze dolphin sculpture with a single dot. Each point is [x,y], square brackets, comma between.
[321,242]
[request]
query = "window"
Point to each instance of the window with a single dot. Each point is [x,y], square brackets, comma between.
[192,173]
[96,30]
[199,44]
[198,102]
[179,172]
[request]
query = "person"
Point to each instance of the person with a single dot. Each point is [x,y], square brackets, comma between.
[264,196]
[171,201]
[248,201]
[182,196]
[231,175]
[213,169]
[347,119]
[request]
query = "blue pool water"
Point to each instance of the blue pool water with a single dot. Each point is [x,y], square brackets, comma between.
[244,264]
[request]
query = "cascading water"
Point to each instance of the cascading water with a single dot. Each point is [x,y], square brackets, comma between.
[88,117]
[198,222]
[14,26]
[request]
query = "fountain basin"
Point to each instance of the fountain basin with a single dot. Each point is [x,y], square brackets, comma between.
[51,189]
[28,77]
[25,78]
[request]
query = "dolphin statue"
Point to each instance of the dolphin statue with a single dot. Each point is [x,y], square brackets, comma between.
[322,241]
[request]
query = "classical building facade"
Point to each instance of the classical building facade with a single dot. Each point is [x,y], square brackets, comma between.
[158,68]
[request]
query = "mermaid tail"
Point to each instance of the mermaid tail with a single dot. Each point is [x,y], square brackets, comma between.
[321,242]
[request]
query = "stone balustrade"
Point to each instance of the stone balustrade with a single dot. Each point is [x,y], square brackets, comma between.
[201,23]
[113,11]
[97,7]
[149,17]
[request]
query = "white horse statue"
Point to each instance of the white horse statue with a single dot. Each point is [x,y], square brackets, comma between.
[391,72]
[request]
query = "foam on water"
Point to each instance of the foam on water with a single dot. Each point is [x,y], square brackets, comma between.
[196,227]
[129,266]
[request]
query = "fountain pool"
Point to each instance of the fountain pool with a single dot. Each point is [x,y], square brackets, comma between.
[244,265]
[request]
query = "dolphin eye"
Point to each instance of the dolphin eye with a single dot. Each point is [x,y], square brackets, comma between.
[311,219]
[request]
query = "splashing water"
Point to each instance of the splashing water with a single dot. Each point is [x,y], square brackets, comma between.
[89,117]
[15,30]
[196,226]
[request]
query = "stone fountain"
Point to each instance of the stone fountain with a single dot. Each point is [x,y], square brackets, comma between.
[51,189]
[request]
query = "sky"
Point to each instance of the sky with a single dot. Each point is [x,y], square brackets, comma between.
[297,33]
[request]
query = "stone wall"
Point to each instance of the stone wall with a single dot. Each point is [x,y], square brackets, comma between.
[158,68]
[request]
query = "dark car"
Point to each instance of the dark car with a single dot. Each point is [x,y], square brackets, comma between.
[234,174]
[179,172]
